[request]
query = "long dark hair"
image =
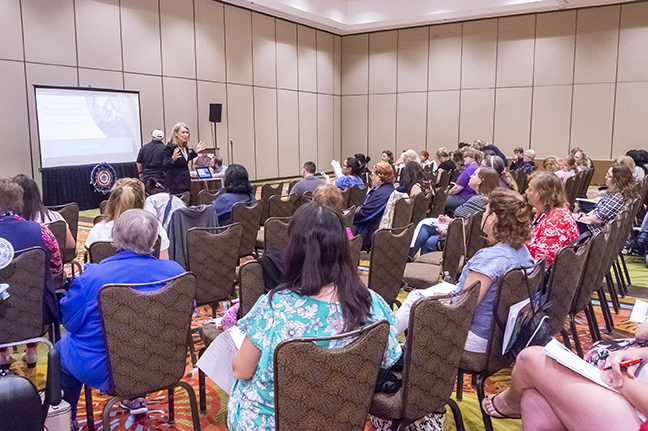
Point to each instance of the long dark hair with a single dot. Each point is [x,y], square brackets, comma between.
[318,254]
[237,180]
[355,166]
[411,174]
[32,202]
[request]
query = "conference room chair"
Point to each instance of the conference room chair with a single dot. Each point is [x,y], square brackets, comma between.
[184,197]
[206,197]
[70,213]
[100,250]
[429,269]
[422,203]
[125,311]
[402,212]
[476,238]
[357,196]
[291,185]
[355,249]
[59,230]
[281,206]
[439,202]
[513,288]
[304,199]
[436,337]
[570,189]
[248,215]
[102,206]
[346,195]
[348,215]
[444,179]
[389,254]
[311,381]
[275,233]
[268,190]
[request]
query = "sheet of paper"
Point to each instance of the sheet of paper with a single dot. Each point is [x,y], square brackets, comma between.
[639,312]
[336,168]
[565,357]
[514,311]
[216,362]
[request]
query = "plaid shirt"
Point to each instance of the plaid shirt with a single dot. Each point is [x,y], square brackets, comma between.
[606,209]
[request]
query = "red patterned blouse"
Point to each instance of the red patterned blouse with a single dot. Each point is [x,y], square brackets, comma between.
[551,231]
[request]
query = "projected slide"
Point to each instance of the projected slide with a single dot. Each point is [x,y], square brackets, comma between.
[86,126]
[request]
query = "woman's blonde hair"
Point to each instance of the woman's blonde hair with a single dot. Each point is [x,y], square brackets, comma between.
[626,161]
[551,164]
[410,156]
[551,191]
[329,194]
[126,194]
[177,127]
[513,225]
[442,153]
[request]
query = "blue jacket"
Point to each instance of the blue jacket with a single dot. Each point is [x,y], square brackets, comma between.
[223,205]
[82,348]
[367,217]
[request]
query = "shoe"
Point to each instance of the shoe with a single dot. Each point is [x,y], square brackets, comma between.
[137,406]
[497,415]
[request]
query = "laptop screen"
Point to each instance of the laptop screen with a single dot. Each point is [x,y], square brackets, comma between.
[203,173]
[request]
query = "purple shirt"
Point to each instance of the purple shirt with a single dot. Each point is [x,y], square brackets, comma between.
[463,179]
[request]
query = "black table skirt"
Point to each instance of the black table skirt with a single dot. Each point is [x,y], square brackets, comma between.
[67,184]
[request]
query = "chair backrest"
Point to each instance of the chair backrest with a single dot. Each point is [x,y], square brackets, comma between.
[348,215]
[346,194]
[268,190]
[455,175]
[355,249]
[70,213]
[212,255]
[21,315]
[185,197]
[389,255]
[304,199]
[275,232]
[99,219]
[402,212]
[59,230]
[521,178]
[317,388]
[248,214]
[146,332]
[592,274]
[206,197]
[281,206]
[444,179]
[512,289]
[439,202]
[251,286]
[357,195]
[564,279]
[434,346]
[102,207]
[421,205]
[476,237]
[453,249]
[570,189]
[101,250]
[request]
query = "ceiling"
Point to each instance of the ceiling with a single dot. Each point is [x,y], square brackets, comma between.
[360,16]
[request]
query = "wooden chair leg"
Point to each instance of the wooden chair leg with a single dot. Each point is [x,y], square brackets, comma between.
[481,379]
[89,412]
[456,413]
[460,378]
[171,406]
[195,417]
[106,412]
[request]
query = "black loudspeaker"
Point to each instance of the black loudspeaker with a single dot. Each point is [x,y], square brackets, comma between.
[215,111]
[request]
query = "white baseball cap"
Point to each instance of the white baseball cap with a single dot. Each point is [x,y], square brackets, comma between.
[158,134]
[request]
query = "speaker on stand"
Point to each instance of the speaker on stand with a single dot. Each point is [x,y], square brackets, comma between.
[215,115]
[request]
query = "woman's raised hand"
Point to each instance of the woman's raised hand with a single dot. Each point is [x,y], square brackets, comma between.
[200,146]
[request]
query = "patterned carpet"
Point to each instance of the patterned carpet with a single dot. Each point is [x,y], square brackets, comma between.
[216,416]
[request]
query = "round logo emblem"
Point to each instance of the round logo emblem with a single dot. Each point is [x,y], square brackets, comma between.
[103,177]
[6,253]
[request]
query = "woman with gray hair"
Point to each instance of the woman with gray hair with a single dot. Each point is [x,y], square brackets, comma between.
[83,352]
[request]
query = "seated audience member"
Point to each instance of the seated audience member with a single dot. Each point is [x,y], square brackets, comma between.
[387,156]
[309,181]
[219,169]
[351,172]
[444,161]
[568,169]
[365,173]
[237,189]
[424,157]
[506,223]
[498,153]
[150,160]
[553,226]
[642,240]
[484,180]
[463,145]
[497,163]
[21,234]
[547,395]
[406,157]
[518,159]
[321,295]
[629,162]
[330,195]
[413,180]
[583,163]
[461,191]
[528,159]
[552,164]
[162,204]
[621,192]
[35,210]
[83,352]
[640,169]
[126,194]
[368,215]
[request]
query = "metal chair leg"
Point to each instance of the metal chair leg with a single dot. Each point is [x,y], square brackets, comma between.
[171,406]
[614,298]
[605,308]
[460,378]
[565,337]
[195,417]
[618,275]
[192,348]
[592,321]
[89,410]
[625,269]
[105,415]
[201,386]
[456,413]
[481,379]
[577,344]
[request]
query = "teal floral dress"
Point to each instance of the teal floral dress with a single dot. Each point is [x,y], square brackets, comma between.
[251,404]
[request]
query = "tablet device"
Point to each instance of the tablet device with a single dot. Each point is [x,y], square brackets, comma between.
[203,172]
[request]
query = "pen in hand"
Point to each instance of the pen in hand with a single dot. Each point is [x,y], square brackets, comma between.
[625,364]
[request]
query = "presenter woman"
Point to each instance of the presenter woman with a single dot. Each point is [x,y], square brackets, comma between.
[177,156]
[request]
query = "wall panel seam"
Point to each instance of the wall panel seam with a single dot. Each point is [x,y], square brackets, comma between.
[616,77]
[29,135]
[573,85]
[535,39]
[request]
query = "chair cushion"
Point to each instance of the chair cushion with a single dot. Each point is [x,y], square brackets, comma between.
[208,333]
[421,275]
[387,406]
[433,258]
[472,362]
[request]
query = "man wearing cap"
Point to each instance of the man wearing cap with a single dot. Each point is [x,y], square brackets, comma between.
[149,161]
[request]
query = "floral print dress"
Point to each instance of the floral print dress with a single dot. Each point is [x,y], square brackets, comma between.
[251,404]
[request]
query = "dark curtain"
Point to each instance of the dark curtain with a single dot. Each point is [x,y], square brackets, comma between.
[67,184]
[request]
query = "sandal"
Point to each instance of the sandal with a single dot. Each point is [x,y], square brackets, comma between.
[499,415]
